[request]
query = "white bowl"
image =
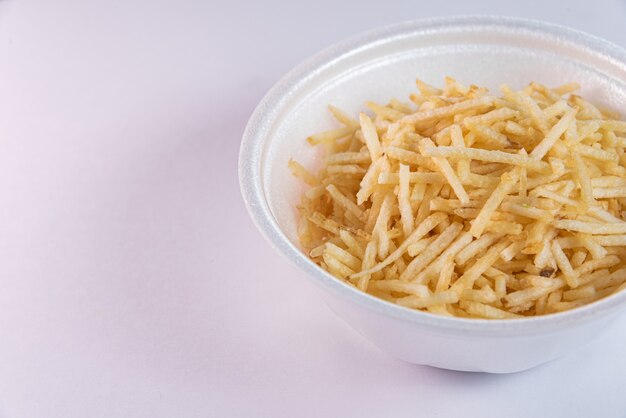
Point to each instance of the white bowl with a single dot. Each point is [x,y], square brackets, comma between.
[383,64]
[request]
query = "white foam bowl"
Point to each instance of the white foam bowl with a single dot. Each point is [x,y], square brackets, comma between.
[383,64]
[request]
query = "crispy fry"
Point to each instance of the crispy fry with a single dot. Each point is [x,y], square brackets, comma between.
[555,133]
[340,199]
[591,228]
[449,253]
[425,227]
[486,155]
[466,281]
[371,137]
[394,178]
[485,311]
[507,183]
[450,176]
[406,212]
[420,262]
[564,265]
[428,115]
[476,247]
[299,171]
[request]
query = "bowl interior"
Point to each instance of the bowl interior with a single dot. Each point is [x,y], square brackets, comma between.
[379,69]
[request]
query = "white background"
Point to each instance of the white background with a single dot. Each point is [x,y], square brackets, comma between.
[132,282]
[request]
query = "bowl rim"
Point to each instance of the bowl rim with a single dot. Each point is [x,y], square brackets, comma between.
[258,130]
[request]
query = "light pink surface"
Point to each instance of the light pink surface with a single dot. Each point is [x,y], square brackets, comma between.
[132,282]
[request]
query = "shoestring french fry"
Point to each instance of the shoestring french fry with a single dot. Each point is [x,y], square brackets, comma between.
[467,203]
